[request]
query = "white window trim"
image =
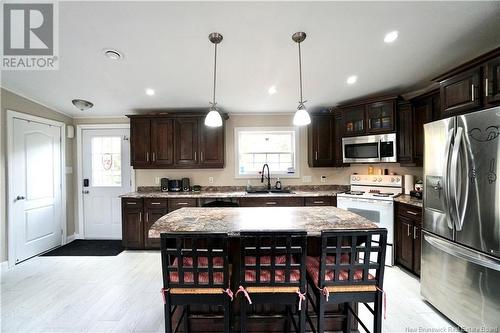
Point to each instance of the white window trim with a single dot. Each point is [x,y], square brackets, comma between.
[273,175]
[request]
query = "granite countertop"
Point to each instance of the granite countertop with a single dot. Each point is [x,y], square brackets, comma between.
[233,220]
[409,200]
[228,194]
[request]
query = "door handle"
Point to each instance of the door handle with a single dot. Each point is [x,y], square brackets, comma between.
[446,185]
[20,197]
[455,188]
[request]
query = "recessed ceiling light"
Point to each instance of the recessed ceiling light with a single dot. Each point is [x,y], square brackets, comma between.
[150,92]
[272,90]
[391,37]
[352,79]
[113,54]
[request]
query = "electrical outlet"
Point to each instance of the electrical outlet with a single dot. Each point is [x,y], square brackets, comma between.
[157,180]
[323,179]
[306,179]
[210,180]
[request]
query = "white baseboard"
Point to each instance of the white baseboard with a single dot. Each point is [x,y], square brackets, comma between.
[4,265]
[70,238]
[78,236]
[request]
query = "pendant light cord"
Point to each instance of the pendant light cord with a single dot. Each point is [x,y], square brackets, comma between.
[215,75]
[300,75]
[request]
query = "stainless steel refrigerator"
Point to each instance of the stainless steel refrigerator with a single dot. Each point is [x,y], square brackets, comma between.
[460,273]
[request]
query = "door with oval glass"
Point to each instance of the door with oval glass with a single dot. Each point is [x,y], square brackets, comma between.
[106,174]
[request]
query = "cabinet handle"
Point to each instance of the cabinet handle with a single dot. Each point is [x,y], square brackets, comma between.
[140,216]
[156,203]
[147,157]
[154,157]
[411,213]
[271,203]
[195,156]
[147,217]
[131,203]
[316,155]
[472,93]
[408,228]
[319,202]
[486,87]
[201,156]
[414,232]
[182,204]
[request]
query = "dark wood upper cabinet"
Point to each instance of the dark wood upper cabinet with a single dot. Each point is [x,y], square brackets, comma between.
[211,146]
[321,140]
[354,120]
[162,142]
[405,133]
[492,82]
[337,139]
[461,93]
[380,117]
[174,141]
[186,143]
[140,142]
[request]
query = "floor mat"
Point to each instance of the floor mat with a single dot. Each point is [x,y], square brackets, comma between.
[80,247]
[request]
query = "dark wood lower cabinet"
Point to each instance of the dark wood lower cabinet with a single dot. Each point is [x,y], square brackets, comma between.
[132,224]
[408,236]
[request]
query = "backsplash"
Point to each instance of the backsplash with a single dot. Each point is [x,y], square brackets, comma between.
[243,188]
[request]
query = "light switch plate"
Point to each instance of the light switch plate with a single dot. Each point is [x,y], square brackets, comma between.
[210,180]
[323,179]
[306,179]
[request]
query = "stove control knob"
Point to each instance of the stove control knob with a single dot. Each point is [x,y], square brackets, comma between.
[379,179]
[392,179]
[398,179]
[374,179]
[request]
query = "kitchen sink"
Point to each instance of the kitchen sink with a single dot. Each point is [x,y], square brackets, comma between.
[260,191]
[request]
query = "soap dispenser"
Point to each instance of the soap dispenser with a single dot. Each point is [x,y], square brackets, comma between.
[278,184]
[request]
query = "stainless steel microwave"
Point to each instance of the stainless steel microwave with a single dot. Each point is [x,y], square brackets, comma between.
[370,149]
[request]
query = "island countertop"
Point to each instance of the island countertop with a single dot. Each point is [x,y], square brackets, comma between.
[233,220]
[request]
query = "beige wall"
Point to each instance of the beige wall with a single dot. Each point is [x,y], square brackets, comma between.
[11,101]
[226,176]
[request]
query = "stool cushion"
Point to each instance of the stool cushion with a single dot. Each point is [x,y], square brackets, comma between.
[265,274]
[312,266]
[218,277]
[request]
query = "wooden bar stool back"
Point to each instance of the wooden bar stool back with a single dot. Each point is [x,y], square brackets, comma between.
[195,270]
[350,269]
[272,271]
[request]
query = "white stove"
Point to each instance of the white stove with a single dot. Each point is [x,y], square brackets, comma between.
[372,196]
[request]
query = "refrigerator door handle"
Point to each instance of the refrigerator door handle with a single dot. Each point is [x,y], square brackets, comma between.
[463,253]
[446,185]
[455,189]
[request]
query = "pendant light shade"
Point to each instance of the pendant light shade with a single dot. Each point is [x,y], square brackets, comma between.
[301,117]
[213,118]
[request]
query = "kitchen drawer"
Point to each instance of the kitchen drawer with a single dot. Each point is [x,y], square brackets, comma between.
[318,201]
[156,203]
[408,211]
[272,202]
[132,202]
[174,204]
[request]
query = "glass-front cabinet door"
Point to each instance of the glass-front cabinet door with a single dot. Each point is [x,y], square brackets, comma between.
[380,117]
[354,120]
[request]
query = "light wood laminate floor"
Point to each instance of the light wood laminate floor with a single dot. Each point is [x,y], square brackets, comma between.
[122,294]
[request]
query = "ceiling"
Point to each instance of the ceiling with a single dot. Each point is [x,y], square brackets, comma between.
[166,48]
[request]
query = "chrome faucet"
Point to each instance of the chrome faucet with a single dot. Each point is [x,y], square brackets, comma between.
[268,176]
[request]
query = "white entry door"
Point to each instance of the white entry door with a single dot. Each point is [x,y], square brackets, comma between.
[36,187]
[106,175]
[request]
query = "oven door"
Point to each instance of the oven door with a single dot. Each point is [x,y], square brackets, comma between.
[381,212]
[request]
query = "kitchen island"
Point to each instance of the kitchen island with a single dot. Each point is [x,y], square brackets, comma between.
[234,220]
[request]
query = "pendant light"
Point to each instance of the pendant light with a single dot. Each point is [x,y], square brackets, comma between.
[213,118]
[301,116]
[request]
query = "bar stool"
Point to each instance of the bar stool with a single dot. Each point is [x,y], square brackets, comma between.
[350,269]
[272,271]
[195,270]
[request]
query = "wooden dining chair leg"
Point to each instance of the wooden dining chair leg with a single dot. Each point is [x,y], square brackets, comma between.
[346,326]
[243,315]
[186,318]
[377,316]
[302,317]
[321,314]
[227,316]
[168,316]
